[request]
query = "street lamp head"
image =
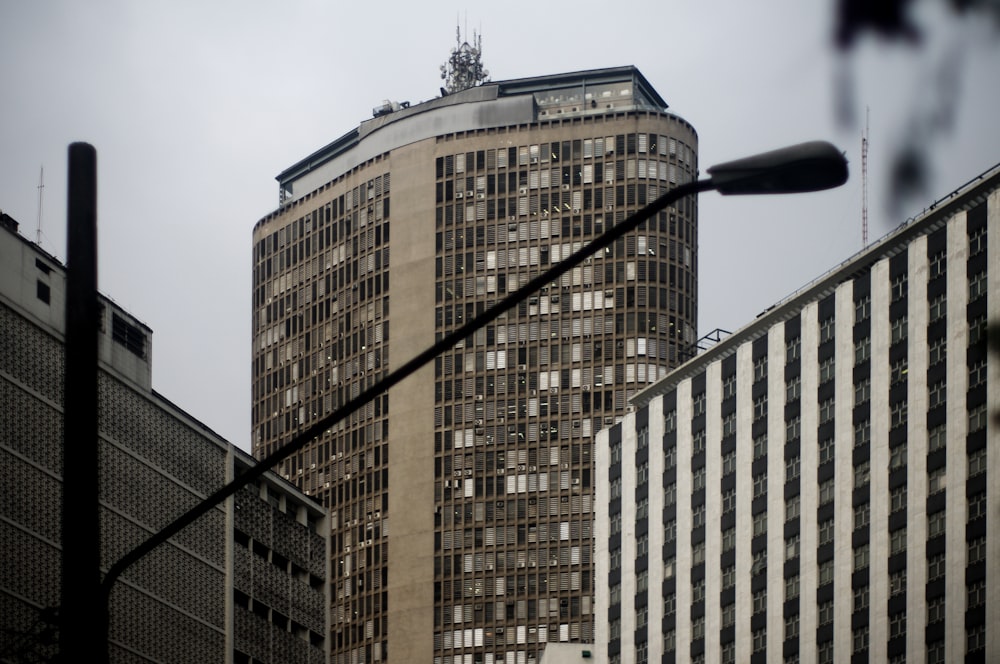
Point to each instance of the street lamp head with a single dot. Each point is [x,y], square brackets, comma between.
[799,168]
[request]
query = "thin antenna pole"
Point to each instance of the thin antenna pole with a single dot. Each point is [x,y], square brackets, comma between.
[41,185]
[864,183]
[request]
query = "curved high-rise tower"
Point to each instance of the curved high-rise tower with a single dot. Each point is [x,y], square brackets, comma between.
[461,502]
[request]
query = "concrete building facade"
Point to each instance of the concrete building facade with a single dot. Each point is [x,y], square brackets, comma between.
[482,463]
[245,583]
[821,485]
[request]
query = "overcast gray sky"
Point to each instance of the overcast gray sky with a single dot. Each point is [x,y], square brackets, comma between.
[195,106]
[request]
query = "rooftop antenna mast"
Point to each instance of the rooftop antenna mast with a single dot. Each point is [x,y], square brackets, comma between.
[41,186]
[864,183]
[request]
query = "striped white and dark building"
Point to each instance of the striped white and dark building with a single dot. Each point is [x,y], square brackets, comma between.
[817,486]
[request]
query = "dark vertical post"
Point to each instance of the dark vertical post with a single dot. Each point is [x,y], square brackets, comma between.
[81,556]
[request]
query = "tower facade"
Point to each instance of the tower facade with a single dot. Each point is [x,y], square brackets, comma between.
[461,501]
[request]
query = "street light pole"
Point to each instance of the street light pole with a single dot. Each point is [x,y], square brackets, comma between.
[801,168]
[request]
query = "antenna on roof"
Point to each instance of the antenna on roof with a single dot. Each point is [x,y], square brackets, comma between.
[864,183]
[464,68]
[41,186]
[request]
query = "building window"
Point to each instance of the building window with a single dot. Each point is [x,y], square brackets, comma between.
[792,468]
[897,499]
[897,456]
[897,541]
[698,479]
[977,420]
[759,602]
[824,613]
[859,639]
[827,370]
[897,414]
[698,516]
[936,567]
[827,450]
[792,545]
[698,628]
[977,286]
[827,410]
[937,351]
[897,583]
[759,562]
[759,485]
[793,390]
[760,407]
[729,501]
[862,350]
[826,330]
[977,462]
[42,291]
[938,308]
[861,598]
[792,587]
[975,594]
[861,557]
[862,433]
[760,368]
[936,524]
[977,506]
[975,639]
[862,515]
[862,308]
[825,654]
[898,332]
[826,572]
[729,425]
[793,428]
[759,640]
[760,524]
[935,609]
[898,287]
[862,391]
[977,374]
[937,264]
[898,371]
[827,491]
[977,550]
[937,438]
[936,480]
[729,387]
[936,394]
[897,625]
[862,474]
[792,626]
[792,508]
[670,422]
[793,349]
[729,577]
[760,447]
[728,615]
